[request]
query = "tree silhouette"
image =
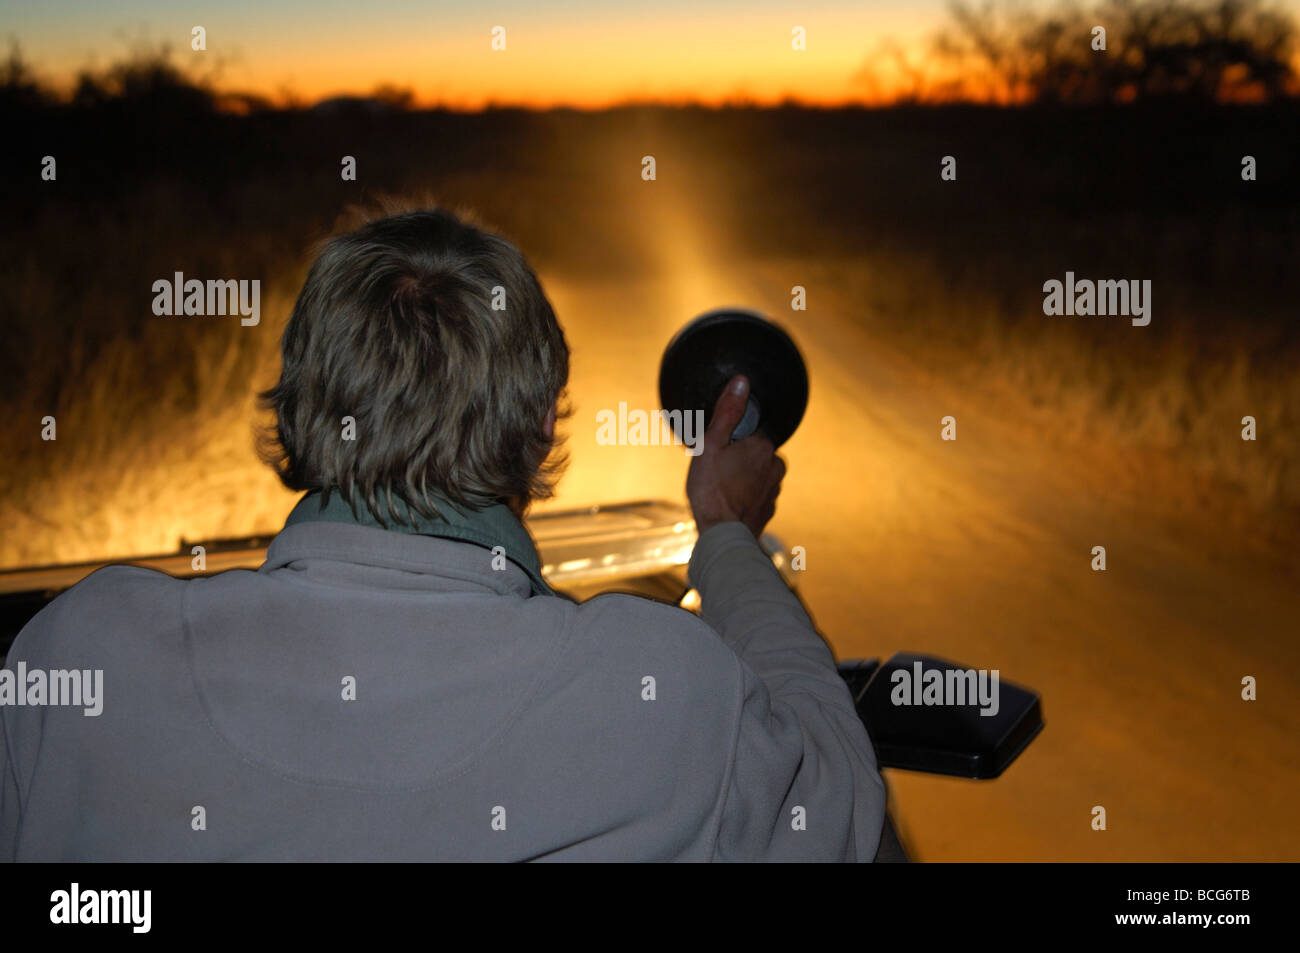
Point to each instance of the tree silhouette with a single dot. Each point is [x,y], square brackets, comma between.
[1193,50]
[146,80]
[18,84]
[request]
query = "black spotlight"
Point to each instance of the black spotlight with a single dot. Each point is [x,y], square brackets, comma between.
[720,344]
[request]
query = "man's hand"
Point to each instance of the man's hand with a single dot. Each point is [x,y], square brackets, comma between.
[734,481]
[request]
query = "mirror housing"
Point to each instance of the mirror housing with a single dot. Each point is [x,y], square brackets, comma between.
[928,714]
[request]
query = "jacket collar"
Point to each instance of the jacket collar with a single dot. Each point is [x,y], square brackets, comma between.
[494,528]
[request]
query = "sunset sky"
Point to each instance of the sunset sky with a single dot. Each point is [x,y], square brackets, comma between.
[580,52]
[585,53]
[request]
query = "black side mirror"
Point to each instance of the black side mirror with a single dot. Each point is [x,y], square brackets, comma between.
[928,714]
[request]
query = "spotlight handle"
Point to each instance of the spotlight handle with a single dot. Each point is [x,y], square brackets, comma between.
[748,423]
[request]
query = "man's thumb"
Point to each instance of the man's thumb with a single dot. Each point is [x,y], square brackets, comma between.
[727,412]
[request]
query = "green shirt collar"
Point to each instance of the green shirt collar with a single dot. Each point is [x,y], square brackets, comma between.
[490,527]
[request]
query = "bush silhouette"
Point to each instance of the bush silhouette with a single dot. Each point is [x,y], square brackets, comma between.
[1161,50]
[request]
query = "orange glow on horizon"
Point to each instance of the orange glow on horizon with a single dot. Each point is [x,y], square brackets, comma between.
[605,57]
[585,58]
